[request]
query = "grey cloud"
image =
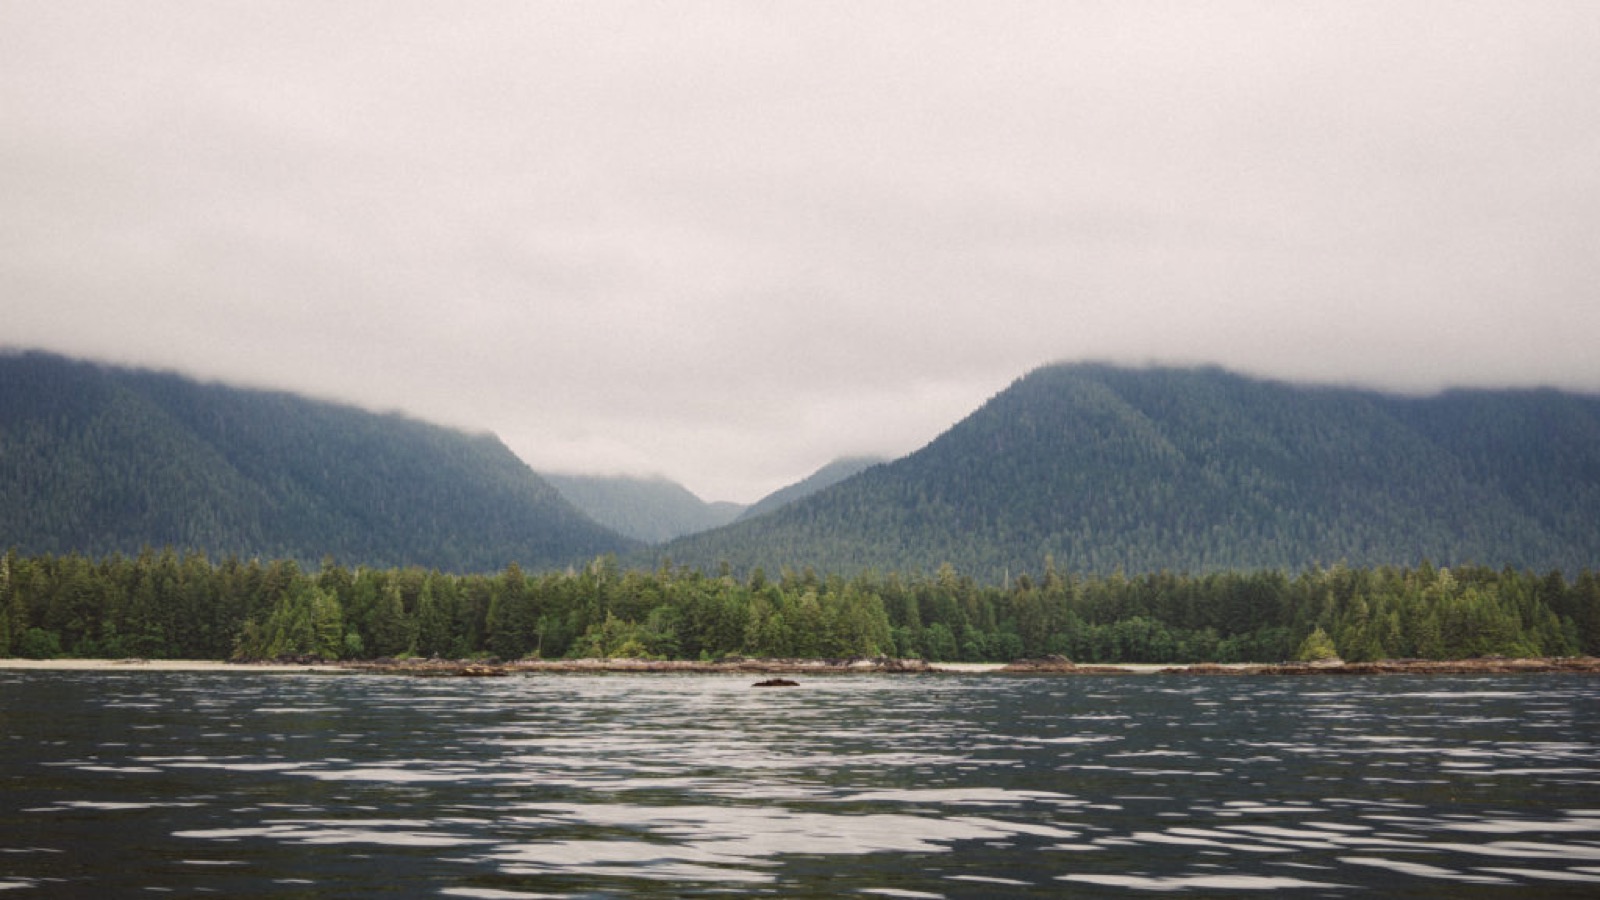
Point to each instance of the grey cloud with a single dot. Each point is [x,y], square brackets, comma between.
[730,241]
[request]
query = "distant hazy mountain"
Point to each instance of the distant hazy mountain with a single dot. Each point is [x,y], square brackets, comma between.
[1106,468]
[99,459]
[825,477]
[654,510]
[646,509]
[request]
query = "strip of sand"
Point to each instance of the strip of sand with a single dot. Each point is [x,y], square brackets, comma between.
[551,666]
[1585,665]
[161,665]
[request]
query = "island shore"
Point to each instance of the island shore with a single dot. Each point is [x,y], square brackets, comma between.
[1053,666]
[1486,666]
[162,665]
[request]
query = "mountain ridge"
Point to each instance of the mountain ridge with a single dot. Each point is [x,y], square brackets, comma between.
[1093,467]
[102,459]
[1101,468]
[829,475]
[650,509]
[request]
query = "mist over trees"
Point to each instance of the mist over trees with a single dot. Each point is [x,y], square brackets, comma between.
[825,477]
[651,510]
[1103,469]
[97,459]
[1109,469]
[656,510]
[1051,521]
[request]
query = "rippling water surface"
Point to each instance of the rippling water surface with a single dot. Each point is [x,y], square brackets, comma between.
[901,786]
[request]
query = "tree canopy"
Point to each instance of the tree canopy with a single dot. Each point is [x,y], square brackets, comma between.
[160,604]
[1137,470]
[102,460]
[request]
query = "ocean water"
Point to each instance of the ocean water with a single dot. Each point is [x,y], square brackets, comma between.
[139,784]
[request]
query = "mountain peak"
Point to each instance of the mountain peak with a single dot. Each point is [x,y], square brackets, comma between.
[1109,468]
[106,459]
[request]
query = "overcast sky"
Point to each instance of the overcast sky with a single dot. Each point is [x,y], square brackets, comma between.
[728,242]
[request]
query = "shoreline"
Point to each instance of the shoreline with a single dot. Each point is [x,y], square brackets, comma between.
[157,665]
[884,666]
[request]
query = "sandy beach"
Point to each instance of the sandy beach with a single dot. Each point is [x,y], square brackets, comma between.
[1585,665]
[163,665]
[549,666]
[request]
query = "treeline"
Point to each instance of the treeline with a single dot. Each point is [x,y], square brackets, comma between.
[163,605]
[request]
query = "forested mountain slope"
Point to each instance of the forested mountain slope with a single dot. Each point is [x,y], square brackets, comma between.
[655,510]
[1106,468]
[96,459]
[825,477]
[646,509]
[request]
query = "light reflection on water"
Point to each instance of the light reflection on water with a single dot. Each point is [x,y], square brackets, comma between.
[909,786]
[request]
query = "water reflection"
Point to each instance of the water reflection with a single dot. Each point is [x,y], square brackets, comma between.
[908,786]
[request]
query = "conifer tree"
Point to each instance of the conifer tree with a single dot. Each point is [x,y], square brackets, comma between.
[1316,647]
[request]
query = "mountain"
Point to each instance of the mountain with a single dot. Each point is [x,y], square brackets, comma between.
[654,510]
[825,477]
[645,509]
[1105,469]
[99,459]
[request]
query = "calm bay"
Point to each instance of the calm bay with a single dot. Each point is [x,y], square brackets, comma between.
[316,785]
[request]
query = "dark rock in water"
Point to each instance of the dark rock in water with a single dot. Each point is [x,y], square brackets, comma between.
[776,682]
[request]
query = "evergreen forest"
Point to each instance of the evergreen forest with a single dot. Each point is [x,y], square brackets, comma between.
[1110,469]
[161,604]
[1104,469]
[97,459]
[1442,510]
